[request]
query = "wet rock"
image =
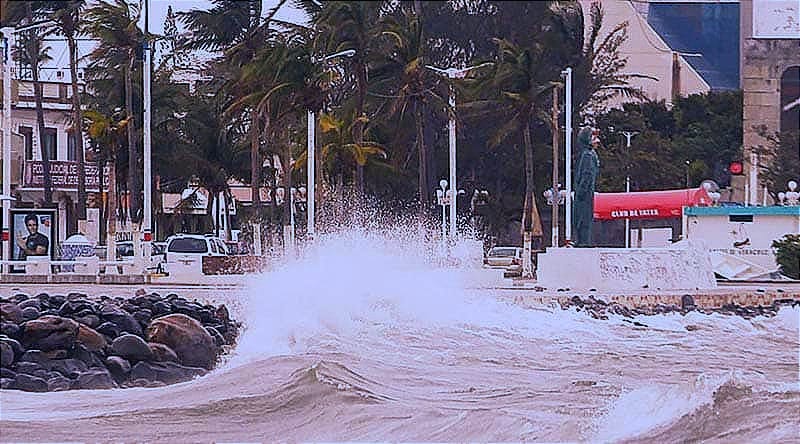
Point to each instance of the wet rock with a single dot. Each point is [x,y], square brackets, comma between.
[36,356]
[119,367]
[49,332]
[6,383]
[19,297]
[30,383]
[6,355]
[91,339]
[109,329]
[58,384]
[161,308]
[27,367]
[692,327]
[76,306]
[187,337]
[219,341]
[70,368]
[143,316]
[89,320]
[16,347]
[10,330]
[95,379]
[29,313]
[162,353]
[7,373]
[131,347]
[687,302]
[222,314]
[35,303]
[84,355]
[166,372]
[10,312]
[121,318]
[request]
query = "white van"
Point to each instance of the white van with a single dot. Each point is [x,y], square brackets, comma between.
[187,249]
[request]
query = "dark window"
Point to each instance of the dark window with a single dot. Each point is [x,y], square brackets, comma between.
[27,134]
[187,245]
[740,218]
[72,146]
[50,140]
[790,96]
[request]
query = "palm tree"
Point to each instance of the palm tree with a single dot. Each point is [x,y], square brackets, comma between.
[344,25]
[67,16]
[33,52]
[114,25]
[403,76]
[108,135]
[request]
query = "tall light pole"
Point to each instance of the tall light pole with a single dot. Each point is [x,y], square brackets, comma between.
[453,73]
[311,155]
[567,73]
[147,151]
[5,57]
[628,135]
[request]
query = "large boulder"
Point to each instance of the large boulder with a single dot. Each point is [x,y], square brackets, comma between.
[186,336]
[118,367]
[91,339]
[70,368]
[49,332]
[131,347]
[10,330]
[166,372]
[10,313]
[30,383]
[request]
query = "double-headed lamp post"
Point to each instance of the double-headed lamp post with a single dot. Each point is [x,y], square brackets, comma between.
[311,154]
[453,73]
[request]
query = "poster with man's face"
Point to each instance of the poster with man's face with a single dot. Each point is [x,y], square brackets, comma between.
[32,233]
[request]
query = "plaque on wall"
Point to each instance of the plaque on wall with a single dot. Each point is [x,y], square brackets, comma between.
[776,19]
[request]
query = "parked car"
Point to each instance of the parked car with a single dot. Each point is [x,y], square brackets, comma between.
[187,248]
[503,256]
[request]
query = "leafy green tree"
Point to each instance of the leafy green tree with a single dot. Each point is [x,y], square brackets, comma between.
[788,255]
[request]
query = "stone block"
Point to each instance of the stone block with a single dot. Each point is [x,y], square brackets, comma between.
[616,269]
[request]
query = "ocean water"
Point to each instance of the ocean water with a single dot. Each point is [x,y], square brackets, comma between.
[366,338]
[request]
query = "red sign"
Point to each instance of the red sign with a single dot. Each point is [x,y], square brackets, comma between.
[648,204]
[736,168]
[63,174]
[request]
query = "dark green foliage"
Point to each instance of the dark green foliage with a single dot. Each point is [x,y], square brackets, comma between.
[787,255]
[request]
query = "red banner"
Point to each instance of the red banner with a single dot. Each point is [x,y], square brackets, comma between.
[648,204]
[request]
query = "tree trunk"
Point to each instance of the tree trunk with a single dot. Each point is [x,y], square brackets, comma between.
[77,127]
[255,161]
[422,153]
[33,48]
[287,199]
[530,216]
[358,128]
[228,201]
[134,179]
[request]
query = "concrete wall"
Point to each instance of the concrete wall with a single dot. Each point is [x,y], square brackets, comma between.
[763,62]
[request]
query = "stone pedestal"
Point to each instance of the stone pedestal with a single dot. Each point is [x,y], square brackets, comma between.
[611,269]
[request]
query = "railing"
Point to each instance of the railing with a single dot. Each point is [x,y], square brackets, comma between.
[58,266]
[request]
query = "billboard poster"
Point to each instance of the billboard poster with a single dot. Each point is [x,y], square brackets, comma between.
[776,19]
[33,233]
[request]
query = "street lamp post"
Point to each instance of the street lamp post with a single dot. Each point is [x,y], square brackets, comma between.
[453,73]
[567,73]
[628,135]
[147,149]
[5,57]
[311,154]
[442,198]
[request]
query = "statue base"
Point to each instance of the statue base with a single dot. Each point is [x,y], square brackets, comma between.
[685,266]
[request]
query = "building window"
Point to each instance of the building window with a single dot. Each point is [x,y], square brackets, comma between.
[27,135]
[72,146]
[50,140]
[790,99]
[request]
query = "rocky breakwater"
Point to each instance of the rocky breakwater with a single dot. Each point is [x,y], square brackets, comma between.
[57,342]
[599,308]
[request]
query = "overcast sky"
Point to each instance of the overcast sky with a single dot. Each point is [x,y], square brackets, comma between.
[158,14]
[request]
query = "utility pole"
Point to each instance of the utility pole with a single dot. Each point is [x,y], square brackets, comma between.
[568,163]
[147,149]
[628,135]
[5,57]
[554,241]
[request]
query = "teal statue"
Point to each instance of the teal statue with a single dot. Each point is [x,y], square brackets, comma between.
[586,174]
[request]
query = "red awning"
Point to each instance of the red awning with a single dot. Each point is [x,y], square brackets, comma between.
[648,204]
